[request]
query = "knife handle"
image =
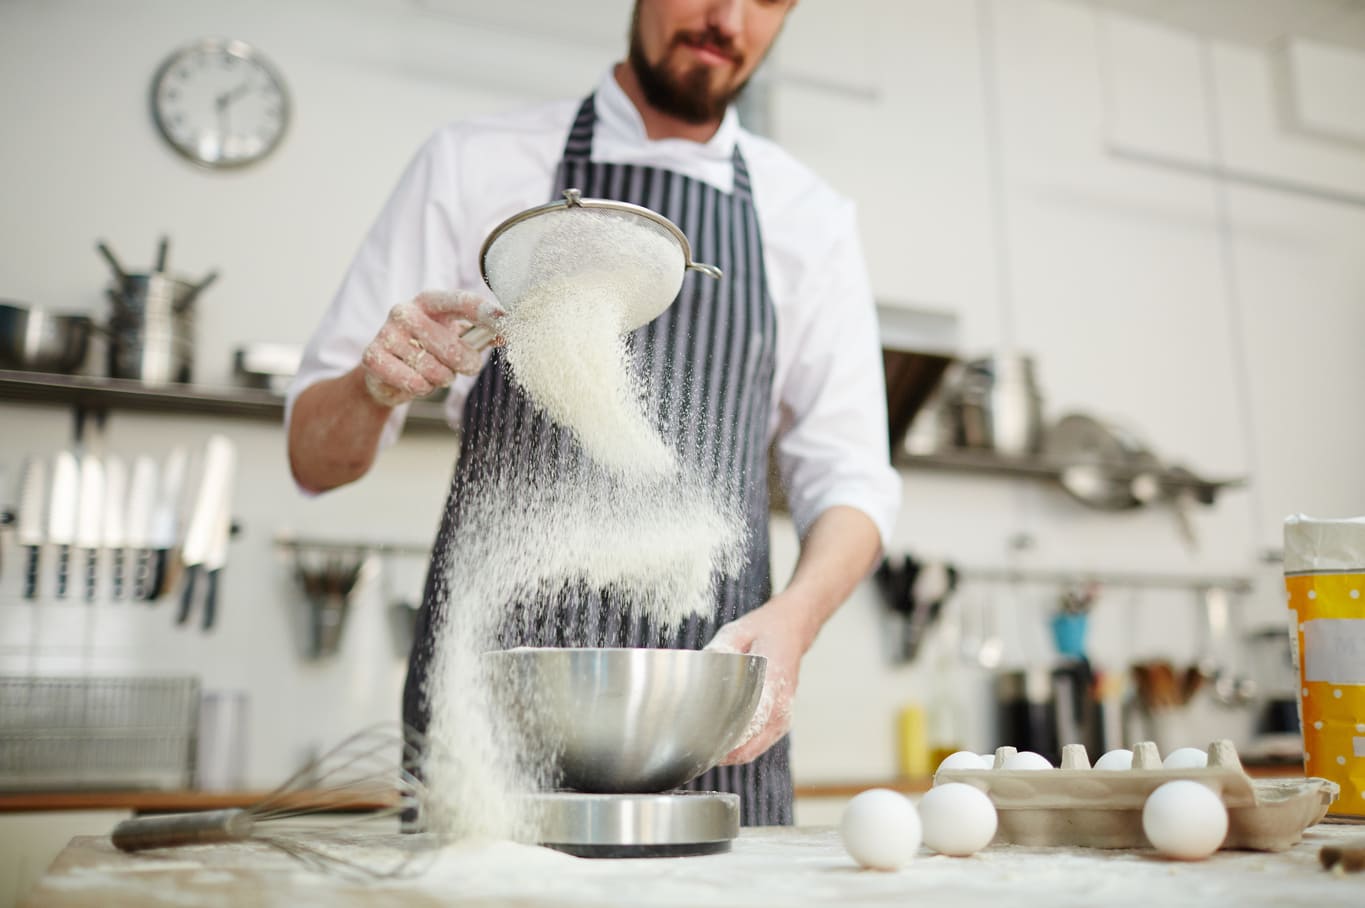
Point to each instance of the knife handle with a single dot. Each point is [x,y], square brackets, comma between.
[211,601]
[140,578]
[159,574]
[91,563]
[185,600]
[63,569]
[31,573]
[116,555]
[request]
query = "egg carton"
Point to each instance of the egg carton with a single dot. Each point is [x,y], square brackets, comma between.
[1079,806]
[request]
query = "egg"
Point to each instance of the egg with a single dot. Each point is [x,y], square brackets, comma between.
[881,829]
[1185,758]
[1026,759]
[964,759]
[988,759]
[1116,759]
[958,819]
[1185,820]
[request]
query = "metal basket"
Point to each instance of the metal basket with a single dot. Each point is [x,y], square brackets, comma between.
[90,732]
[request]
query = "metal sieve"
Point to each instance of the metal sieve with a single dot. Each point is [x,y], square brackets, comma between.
[593,247]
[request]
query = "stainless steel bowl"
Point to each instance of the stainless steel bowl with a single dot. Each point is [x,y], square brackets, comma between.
[35,340]
[628,720]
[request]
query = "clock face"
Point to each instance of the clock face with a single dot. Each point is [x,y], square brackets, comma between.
[220,103]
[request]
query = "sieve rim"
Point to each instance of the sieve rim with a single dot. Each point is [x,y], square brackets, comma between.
[573,198]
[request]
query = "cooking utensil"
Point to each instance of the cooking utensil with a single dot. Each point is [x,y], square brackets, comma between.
[141,500]
[90,519]
[36,340]
[328,587]
[1100,461]
[115,503]
[31,525]
[120,273]
[627,720]
[994,403]
[63,513]
[216,557]
[219,461]
[165,519]
[162,247]
[584,234]
[362,780]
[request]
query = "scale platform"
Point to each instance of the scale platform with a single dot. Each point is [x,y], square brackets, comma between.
[669,824]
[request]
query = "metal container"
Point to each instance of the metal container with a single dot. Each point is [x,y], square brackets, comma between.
[628,720]
[151,328]
[97,733]
[994,403]
[35,340]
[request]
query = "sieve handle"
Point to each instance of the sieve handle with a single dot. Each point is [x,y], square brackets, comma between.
[708,270]
[199,828]
[478,337]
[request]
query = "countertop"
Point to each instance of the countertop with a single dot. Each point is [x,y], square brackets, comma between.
[768,866]
[187,799]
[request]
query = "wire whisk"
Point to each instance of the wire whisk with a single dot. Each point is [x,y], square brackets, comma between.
[365,781]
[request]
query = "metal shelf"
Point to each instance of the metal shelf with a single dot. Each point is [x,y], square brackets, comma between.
[988,463]
[94,394]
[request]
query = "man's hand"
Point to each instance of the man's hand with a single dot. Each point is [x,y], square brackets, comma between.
[420,348]
[780,633]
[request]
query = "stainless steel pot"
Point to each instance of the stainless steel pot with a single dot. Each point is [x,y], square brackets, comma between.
[151,328]
[994,404]
[35,340]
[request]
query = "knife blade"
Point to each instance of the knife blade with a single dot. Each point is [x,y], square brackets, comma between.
[165,517]
[115,502]
[63,512]
[216,557]
[141,498]
[218,465]
[30,528]
[90,518]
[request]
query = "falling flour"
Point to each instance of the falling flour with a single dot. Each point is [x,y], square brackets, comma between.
[622,516]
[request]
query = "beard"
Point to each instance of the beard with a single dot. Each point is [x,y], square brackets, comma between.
[688,96]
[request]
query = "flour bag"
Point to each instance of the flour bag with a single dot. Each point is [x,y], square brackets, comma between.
[1324,576]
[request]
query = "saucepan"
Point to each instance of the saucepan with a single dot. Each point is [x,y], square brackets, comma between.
[36,340]
[575,236]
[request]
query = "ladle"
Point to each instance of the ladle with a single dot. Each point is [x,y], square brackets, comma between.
[644,309]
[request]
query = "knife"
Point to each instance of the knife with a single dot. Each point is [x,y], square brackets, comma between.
[61,519]
[165,516]
[30,530]
[219,461]
[90,518]
[115,501]
[141,496]
[216,558]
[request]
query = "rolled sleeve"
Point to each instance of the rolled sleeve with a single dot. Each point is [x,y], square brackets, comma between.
[831,441]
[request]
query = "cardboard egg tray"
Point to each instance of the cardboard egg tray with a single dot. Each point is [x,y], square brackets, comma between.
[1079,806]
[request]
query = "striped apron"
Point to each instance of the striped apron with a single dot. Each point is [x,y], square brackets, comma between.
[706,365]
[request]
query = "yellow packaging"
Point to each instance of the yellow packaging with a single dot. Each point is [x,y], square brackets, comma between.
[913,734]
[1325,582]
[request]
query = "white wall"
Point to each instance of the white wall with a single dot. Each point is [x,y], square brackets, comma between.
[1116,286]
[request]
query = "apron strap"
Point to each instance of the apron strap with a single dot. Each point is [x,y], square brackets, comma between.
[578,147]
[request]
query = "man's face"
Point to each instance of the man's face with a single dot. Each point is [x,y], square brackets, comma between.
[692,57]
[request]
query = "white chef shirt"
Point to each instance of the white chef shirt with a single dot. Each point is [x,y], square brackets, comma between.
[829,400]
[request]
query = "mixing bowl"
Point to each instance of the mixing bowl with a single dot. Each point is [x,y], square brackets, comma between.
[35,340]
[628,720]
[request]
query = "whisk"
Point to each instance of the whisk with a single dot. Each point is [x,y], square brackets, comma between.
[364,777]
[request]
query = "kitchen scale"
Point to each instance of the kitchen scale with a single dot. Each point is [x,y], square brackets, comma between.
[669,824]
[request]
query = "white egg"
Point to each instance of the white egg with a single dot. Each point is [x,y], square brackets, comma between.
[881,829]
[1184,819]
[1116,759]
[958,819]
[1026,759]
[963,759]
[1185,758]
[988,759]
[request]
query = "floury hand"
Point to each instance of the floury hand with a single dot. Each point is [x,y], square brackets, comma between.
[420,347]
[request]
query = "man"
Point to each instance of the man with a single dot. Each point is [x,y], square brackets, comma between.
[785,346]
